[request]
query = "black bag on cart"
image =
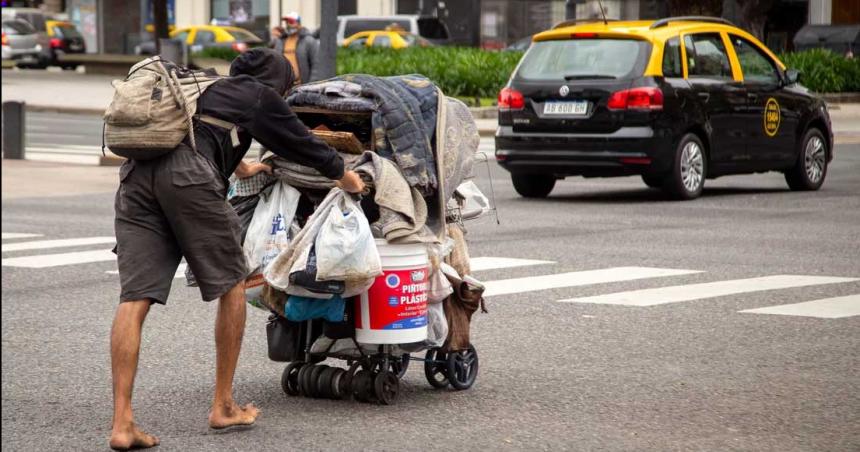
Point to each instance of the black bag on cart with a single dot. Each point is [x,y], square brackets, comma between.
[344,329]
[287,339]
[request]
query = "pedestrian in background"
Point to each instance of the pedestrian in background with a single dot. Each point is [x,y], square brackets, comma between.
[300,48]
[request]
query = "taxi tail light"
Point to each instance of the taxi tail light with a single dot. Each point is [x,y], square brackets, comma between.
[56,43]
[644,98]
[5,40]
[240,46]
[511,99]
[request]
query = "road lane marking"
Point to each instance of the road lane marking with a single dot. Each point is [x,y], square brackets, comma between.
[56,260]
[825,308]
[180,271]
[689,292]
[492,263]
[580,278]
[46,244]
[18,235]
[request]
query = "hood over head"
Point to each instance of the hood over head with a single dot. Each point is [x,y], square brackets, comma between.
[267,66]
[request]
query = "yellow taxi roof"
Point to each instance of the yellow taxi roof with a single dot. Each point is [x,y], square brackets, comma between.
[637,29]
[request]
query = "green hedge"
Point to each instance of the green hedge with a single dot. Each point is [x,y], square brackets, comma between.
[467,72]
[458,71]
[823,71]
[461,72]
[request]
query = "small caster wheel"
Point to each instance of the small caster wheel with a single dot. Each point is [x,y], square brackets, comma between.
[362,386]
[314,379]
[386,387]
[290,378]
[338,384]
[347,380]
[400,366]
[463,368]
[324,382]
[435,368]
[304,381]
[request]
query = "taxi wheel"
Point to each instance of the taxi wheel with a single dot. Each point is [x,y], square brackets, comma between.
[811,167]
[533,185]
[689,169]
[651,181]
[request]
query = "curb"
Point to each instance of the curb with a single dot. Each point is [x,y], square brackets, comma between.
[64,110]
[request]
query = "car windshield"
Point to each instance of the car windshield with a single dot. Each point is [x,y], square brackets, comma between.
[66,31]
[243,35]
[578,59]
[17,27]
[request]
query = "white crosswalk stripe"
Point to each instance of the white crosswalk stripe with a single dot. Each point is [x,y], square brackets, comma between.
[826,308]
[690,292]
[56,260]
[581,278]
[18,235]
[46,244]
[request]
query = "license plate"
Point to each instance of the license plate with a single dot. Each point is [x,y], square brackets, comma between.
[75,46]
[565,108]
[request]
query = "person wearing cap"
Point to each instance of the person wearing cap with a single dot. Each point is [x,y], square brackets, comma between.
[175,206]
[300,48]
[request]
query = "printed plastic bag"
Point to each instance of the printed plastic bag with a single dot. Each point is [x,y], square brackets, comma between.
[269,231]
[345,247]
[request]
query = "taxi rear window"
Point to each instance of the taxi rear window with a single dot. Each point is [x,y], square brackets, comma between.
[583,59]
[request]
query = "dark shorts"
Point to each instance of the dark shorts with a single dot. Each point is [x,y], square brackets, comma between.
[171,207]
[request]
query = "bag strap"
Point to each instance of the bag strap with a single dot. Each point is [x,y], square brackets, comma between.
[226,125]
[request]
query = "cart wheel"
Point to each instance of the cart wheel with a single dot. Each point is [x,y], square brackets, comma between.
[337,388]
[313,380]
[386,387]
[399,367]
[463,368]
[290,378]
[304,381]
[435,368]
[347,380]
[362,386]
[324,382]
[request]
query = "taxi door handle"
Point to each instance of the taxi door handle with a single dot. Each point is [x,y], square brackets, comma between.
[704,96]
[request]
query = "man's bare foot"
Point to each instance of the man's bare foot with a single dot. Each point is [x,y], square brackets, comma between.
[131,438]
[231,414]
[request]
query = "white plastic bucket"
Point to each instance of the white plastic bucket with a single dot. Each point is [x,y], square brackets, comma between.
[394,309]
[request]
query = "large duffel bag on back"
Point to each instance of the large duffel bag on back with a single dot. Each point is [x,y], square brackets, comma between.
[153,108]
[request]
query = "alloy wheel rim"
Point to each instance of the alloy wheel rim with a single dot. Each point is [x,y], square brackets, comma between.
[814,159]
[692,166]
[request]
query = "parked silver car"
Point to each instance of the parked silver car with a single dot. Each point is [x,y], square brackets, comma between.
[21,44]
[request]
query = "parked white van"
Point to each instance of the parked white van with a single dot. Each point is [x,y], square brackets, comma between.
[429,28]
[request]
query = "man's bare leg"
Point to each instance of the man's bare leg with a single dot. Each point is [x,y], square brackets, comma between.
[229,327]
[124,352]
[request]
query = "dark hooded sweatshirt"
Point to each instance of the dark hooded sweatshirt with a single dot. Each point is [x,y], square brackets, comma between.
[252,98]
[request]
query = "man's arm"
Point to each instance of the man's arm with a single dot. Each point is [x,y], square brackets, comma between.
[276,127]
[313,59]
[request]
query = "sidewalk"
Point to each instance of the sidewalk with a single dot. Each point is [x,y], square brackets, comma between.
[72,92]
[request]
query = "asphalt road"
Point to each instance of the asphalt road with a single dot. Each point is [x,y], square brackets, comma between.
[695,374]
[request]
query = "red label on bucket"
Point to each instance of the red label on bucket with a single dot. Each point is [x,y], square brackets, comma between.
[398,299]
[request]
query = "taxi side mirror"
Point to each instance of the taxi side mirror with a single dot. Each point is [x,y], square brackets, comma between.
[792,76]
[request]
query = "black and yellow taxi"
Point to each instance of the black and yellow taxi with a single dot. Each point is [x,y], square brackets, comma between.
[676,100]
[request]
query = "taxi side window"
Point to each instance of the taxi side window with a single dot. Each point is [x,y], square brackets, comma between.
[706,56]
[381,41]
[672,58]
[755,65]
[204,37]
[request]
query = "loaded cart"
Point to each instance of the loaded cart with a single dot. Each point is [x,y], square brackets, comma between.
[377,280]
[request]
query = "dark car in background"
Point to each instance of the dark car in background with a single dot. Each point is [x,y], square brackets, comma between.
[63,39]
[676,101]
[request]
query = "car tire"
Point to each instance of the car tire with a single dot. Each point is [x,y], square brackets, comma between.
[809,171]
[689,169]
[533,185]
[652,181]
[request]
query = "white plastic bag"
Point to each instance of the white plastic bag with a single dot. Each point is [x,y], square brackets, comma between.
[269,231]
[345,247]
